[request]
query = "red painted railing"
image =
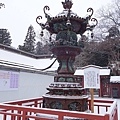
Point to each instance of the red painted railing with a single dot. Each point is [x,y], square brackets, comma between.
[31,109]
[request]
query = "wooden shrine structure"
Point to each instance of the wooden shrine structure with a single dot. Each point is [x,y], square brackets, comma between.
[109,85]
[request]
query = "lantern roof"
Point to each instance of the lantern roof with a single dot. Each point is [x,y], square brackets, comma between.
[66,20]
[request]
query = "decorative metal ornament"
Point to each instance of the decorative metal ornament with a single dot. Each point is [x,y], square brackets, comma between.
[67,4]
[67,20]
[91,11]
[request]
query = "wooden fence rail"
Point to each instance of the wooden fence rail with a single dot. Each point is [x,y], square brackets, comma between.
[22,110]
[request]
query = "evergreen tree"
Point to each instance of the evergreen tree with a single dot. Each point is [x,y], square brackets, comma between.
[42,49]
[113,32]
[29,42]
[38,49]
[46,48]
[99,58]
[95,53]
[5,37]
[2,5]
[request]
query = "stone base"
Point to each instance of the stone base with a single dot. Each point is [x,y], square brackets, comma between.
[72,103]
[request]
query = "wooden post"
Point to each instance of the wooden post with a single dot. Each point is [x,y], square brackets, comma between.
[60,117]
[92,99]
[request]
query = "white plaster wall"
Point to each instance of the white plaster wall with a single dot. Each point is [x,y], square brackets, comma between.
[21,59]
[30,85]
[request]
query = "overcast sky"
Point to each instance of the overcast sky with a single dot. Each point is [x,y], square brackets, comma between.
[18,15]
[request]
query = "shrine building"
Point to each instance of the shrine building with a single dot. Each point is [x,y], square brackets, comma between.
[109,85]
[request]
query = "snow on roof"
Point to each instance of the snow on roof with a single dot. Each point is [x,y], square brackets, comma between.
[115,79]
[21,60]
[91,66]
[102,72]
[79,72]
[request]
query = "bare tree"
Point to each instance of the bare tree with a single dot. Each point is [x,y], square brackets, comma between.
[108,16]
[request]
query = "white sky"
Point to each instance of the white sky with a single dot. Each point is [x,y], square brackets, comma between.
[18,15]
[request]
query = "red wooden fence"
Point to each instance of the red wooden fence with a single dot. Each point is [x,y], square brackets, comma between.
[31,108]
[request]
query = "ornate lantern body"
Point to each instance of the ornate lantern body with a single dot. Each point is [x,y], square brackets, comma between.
[66,92]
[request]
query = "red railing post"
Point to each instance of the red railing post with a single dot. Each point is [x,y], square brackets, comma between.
[98,109]
[116,115]
[18,117]
[89,104]
[60,117]
[12,117]
[24,115]
[40,105]
[36,102]
[107,117]
[4,117]
[106,108]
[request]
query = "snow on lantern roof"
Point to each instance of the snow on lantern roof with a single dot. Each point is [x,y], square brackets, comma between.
[67,97]
[115,79]
[65,13]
